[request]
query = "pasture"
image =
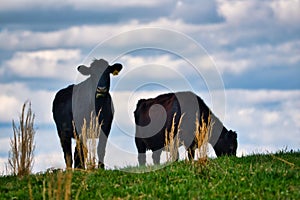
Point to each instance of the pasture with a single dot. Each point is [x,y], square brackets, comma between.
[270,176]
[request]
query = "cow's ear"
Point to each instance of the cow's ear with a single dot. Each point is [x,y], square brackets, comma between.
[115,69]
[84,70]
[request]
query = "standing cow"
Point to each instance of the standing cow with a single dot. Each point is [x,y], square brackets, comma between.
[76,102]
[154,116]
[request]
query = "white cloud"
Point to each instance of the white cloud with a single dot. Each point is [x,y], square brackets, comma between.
[250,22]
[14,95]
[94,4]
[264,117]
[59,64]
[75,36]
[77,4]
[239,12]
[155,67]
[91,35]
[272,20]
[241,60]
[287,12]
[69,37]
[4,142]
[193,11]
[270,118]
[257,97]
[8,103]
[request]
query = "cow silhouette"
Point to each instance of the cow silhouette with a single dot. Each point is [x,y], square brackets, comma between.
[76,103]
[155,115]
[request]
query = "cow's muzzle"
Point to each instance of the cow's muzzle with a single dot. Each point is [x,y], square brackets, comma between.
[101,92]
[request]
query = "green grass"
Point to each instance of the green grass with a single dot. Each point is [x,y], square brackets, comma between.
[275,176]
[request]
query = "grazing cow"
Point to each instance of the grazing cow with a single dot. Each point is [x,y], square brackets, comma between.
[76,102]
[154,116]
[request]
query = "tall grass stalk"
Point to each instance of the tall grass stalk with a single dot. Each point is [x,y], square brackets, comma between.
[20,159]
[172,142]
[88,141]
[202,134]
[93,135]
[58,185]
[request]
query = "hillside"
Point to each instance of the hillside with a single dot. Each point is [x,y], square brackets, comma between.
[275,176]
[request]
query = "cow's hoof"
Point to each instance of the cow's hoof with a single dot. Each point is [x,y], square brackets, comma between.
[101,165]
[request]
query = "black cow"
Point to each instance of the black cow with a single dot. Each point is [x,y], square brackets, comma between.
[76,102]
[154,116]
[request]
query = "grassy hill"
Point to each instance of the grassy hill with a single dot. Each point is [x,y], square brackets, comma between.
[275,176]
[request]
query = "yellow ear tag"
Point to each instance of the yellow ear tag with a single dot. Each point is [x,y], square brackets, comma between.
[116,72]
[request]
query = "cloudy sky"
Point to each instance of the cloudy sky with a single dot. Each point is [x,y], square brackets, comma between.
[241,57]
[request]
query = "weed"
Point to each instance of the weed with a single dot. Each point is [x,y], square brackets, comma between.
[92,134]
[58,185]
[20,159]
[87,141]
[172,142]
[202,134]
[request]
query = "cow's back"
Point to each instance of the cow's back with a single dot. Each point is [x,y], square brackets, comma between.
[185,105]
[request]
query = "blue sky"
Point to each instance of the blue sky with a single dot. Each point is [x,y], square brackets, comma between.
[253,47]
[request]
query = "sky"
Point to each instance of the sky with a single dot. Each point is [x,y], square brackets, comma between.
[241,57]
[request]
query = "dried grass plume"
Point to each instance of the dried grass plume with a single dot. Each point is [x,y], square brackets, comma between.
[20,158]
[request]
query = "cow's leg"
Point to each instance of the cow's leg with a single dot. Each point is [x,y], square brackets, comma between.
[177,156]
[142,158]
[104,107]
[156,156]
[105,130]
[101,148]
[79,155]
[66,144]
[141,147]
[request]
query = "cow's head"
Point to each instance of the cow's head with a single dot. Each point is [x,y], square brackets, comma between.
[227,144]
[99,72]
